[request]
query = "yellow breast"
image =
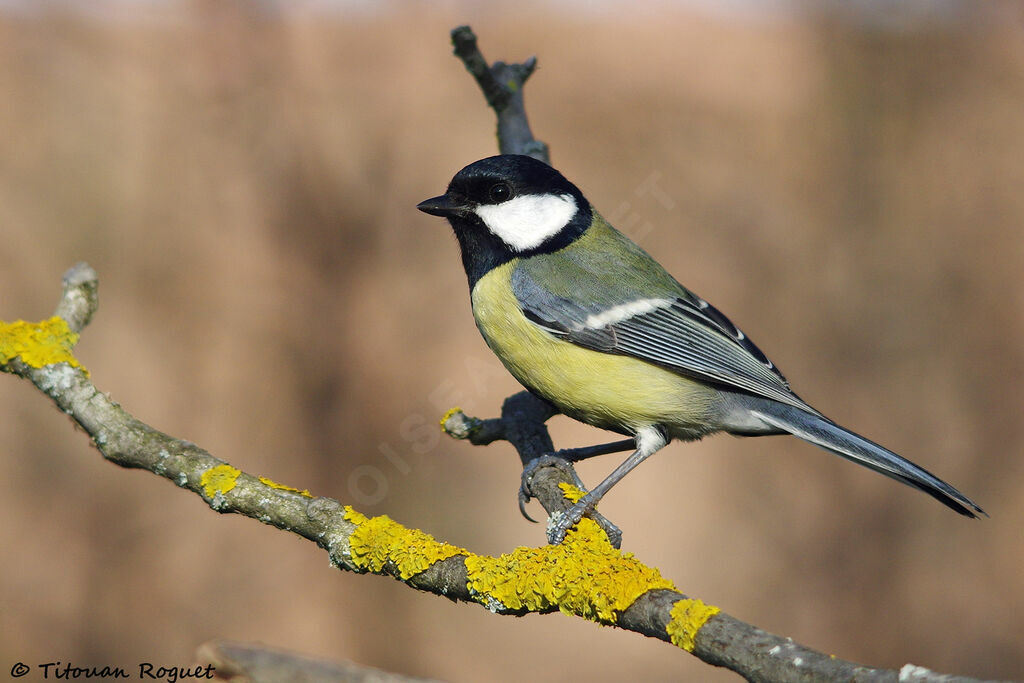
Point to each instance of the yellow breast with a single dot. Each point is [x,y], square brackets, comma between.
[606,390]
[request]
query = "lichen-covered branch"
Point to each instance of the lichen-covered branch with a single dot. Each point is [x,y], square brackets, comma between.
[584,576]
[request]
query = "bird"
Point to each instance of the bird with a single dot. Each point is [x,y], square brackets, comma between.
[586,320]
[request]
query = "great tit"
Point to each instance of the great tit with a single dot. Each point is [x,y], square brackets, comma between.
[587,320]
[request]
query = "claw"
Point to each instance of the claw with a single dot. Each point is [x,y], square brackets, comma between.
[524,498]
[531,467]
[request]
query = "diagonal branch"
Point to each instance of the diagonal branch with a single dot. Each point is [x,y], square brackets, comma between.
[528,580]
[585,576]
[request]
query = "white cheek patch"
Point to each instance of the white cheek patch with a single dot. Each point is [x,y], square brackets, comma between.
[617,314]
[525,222]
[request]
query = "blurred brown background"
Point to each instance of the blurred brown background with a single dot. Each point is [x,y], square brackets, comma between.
[243,176]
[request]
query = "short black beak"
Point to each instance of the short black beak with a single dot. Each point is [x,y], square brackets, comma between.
[443,206]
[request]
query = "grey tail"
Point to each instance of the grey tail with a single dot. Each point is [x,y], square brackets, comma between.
[822,432]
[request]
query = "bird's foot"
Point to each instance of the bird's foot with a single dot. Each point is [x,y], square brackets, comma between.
[560,523]
[525,496]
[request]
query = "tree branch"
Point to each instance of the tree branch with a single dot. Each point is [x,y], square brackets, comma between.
[502,85]
[523,415]
[245,662]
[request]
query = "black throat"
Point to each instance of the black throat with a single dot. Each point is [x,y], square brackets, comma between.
[483,251]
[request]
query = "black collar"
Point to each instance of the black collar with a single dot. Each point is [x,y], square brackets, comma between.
[483,251]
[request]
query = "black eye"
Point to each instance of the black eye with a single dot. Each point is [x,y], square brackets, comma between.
[500,192]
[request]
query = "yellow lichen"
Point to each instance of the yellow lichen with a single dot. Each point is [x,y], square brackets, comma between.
[219,479]
[447,416]
[378,541]
[38,344]
[571,493]
[274,485]
[585,576]
[688,617]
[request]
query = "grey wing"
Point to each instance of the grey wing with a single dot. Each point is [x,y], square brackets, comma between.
[677,331]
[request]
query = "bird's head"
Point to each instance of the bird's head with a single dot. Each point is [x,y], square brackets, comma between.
[509,206]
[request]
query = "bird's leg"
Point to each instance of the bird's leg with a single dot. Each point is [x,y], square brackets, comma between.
[580,454]
[649,440]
